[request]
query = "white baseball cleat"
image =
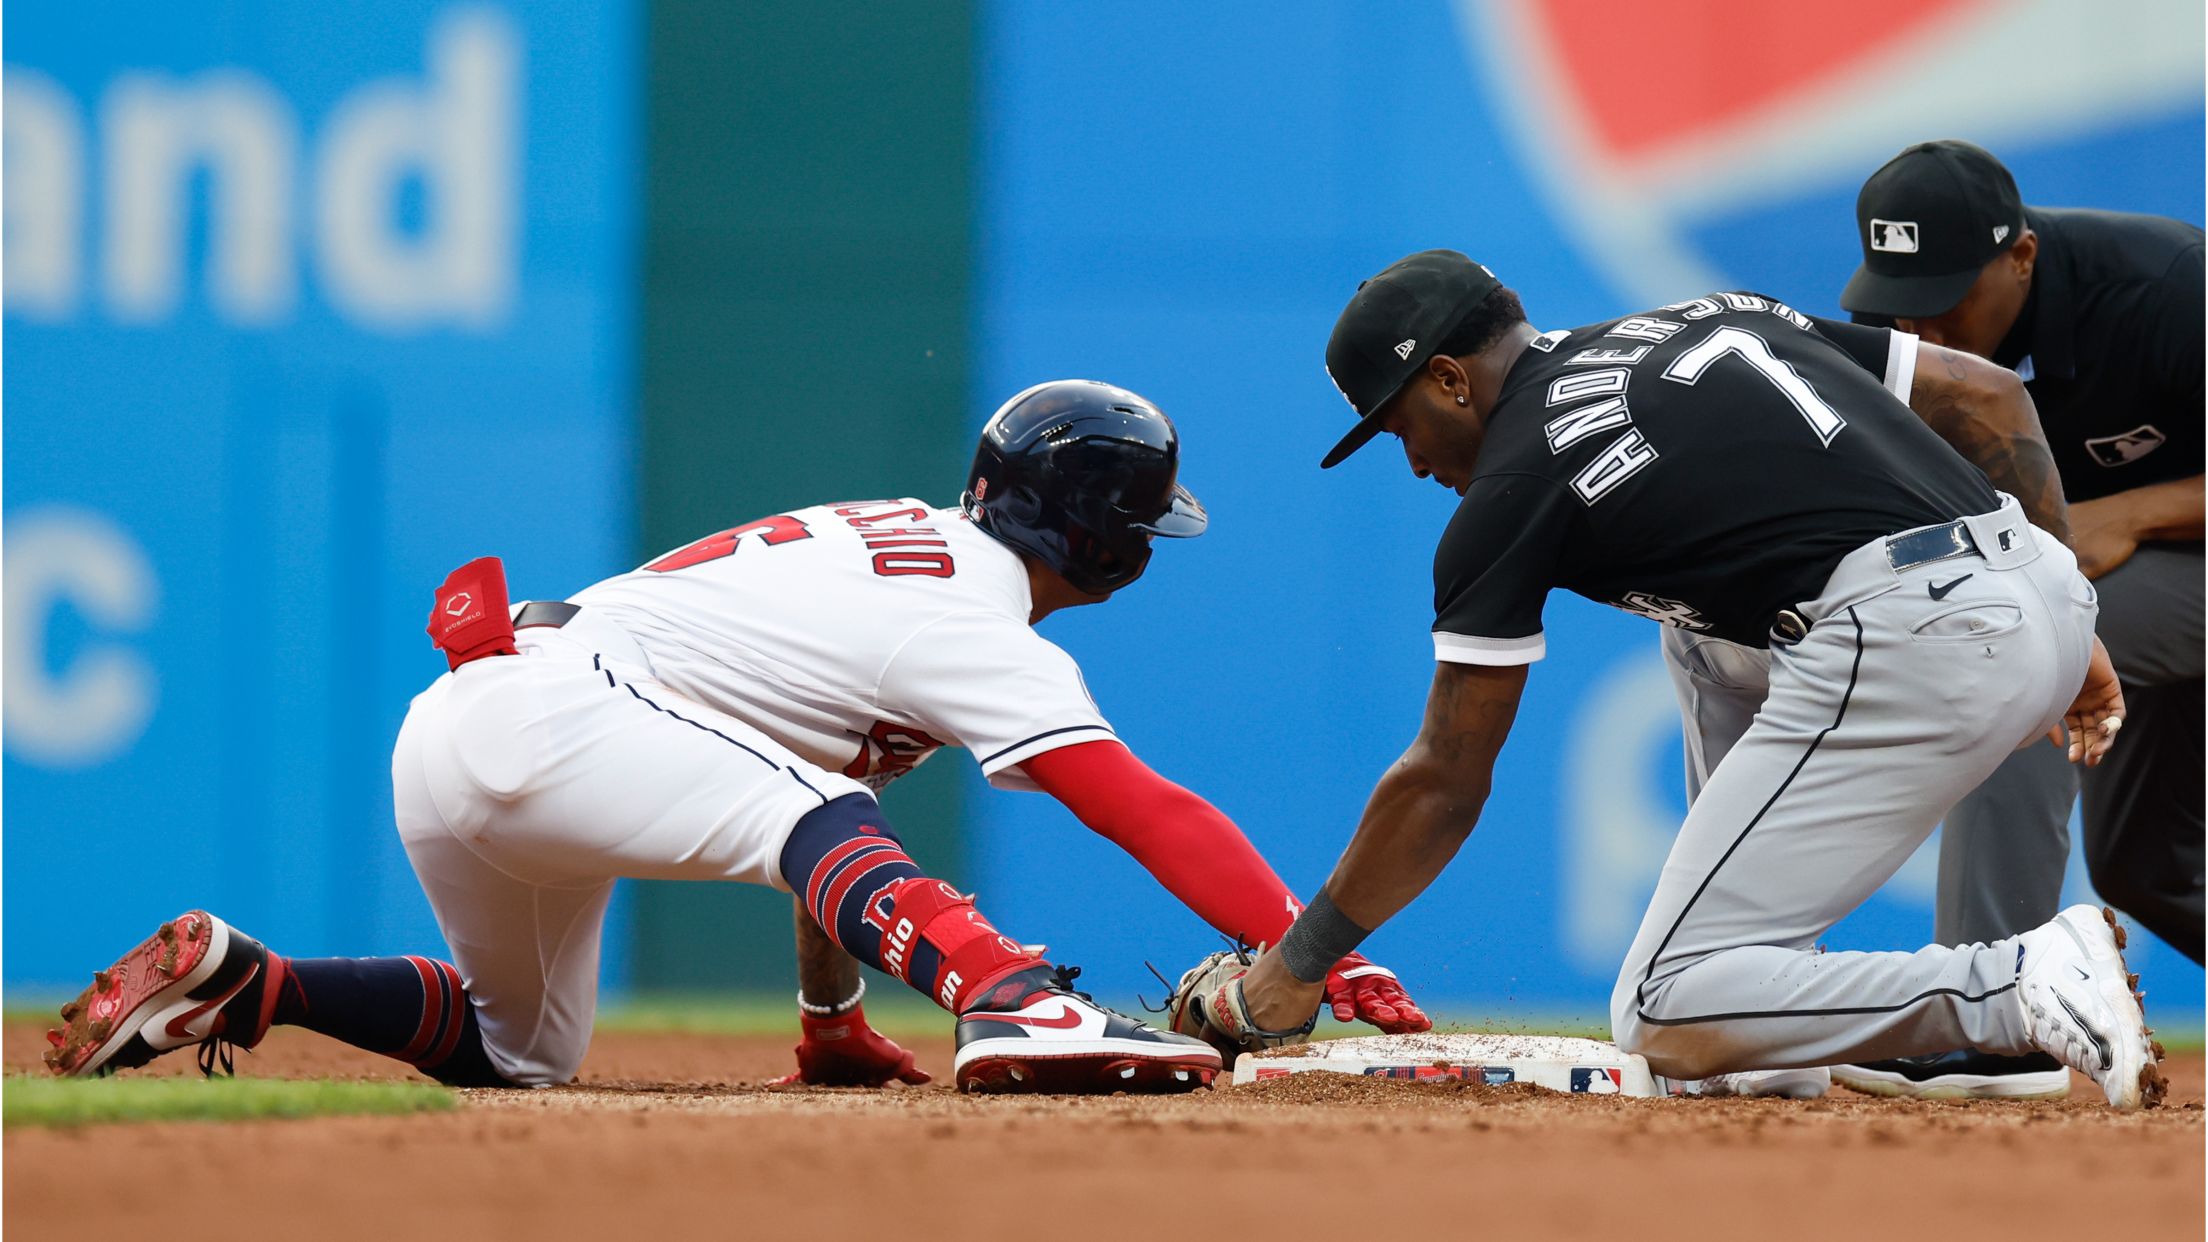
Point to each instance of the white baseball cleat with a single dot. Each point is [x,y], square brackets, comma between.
[1033,1033]
[1786,1084]
[2079,1005]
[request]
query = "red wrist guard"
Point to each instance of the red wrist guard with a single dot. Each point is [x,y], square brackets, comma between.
[471,618]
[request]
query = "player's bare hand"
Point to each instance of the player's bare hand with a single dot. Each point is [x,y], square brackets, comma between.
[1359,989]
[845,1052]
[2102,534]
[2096,715]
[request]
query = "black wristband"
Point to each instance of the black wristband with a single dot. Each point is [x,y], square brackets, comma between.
[1320,937]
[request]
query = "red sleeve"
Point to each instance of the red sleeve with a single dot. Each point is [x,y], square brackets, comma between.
[1194,851]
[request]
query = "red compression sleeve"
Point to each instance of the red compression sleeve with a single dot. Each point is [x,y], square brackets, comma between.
[1194,851]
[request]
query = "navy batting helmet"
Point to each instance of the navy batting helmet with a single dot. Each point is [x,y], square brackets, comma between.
[1080,475]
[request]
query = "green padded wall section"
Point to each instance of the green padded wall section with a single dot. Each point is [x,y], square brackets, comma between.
[807,254]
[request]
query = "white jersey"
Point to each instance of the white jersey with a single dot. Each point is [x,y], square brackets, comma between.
[861,636]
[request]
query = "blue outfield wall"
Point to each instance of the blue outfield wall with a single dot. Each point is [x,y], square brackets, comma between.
[1180,201]
[305,305]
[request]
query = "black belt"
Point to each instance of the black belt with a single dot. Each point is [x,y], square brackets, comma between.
[1918,547]
[545,612]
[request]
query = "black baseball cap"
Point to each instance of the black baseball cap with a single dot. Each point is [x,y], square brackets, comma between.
[1392,325]
[1929,222]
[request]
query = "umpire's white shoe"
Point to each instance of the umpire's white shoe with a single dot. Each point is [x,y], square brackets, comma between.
[2079,1005]
[1786,1084]
[1033,1033]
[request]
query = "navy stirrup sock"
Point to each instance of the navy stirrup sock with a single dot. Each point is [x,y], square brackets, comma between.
[409,1008]
[837,860]
[857,882]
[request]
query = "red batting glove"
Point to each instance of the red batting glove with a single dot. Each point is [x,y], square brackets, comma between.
[1357,988]
[844,1051]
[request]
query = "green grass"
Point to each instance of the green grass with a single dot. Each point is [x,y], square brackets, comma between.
[896,1013]
[900,1014]
[29,1101]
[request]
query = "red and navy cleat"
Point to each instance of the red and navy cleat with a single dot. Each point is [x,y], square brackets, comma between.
[1032,1032]
[196,981]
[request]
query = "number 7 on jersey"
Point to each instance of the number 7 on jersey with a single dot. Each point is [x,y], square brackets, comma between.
[1756,352]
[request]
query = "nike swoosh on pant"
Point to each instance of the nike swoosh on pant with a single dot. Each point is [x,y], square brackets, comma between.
[1940,591]
[180,1026]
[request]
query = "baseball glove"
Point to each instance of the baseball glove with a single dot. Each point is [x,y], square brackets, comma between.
[1207,1003]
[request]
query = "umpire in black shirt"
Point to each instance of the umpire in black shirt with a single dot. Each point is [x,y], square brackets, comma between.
[2100,313]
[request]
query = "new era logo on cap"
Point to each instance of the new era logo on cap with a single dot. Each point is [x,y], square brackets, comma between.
[2000,233]
[1422,297]
[1894,236]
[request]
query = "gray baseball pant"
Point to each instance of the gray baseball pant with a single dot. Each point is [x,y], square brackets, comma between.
[2005,846]
[1894,705]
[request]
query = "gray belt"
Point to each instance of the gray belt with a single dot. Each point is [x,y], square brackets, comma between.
[1903,551]
[1933,543]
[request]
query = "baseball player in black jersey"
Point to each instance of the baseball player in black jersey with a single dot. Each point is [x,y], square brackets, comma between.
[1730,467]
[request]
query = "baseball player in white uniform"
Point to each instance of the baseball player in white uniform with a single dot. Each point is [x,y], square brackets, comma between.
[726,712]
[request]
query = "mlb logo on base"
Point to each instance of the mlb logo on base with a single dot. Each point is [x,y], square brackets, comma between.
[1597,1080]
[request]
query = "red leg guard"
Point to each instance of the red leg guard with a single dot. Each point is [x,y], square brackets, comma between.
[929,924]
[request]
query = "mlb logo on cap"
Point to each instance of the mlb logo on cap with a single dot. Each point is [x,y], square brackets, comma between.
[1953,208]
[1894,236]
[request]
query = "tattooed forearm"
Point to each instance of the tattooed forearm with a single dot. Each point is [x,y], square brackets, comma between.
[1426,804]
[1986,414]
[826,975]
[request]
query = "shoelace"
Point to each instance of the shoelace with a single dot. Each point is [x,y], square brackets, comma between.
[1062,977]
[216,1051]
[1243,953]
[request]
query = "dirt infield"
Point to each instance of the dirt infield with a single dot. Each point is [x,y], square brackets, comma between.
[673,1132]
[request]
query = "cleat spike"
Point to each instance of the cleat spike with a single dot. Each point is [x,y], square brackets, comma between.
[2152,1087]
[102,980]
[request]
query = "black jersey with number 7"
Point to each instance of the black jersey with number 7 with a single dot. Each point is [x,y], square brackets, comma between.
[1704,464]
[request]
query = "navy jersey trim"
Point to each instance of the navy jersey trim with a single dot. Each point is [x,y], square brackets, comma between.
[1088,728]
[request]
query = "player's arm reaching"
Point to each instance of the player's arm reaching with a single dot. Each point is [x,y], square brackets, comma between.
[1199,856]
[1985,413]
[1020,705]
[838,1048]
[1419,814]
